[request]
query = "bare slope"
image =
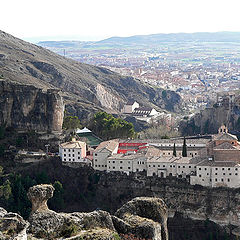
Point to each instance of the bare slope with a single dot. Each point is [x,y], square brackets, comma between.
[83,86]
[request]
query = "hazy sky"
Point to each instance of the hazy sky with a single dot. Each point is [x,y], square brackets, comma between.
[98,19]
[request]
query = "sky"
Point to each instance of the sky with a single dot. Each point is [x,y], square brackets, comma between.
[99,19]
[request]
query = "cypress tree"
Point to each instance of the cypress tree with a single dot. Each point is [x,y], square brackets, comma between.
[174,150]
[184,149]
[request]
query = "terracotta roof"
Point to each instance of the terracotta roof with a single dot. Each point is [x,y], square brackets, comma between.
[109,145]
[73,144]
[225,145]
[224,136]
[218,164]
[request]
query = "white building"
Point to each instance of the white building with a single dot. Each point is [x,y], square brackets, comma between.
[130,106]
[74,151]
[102,152]
[217,174]
[126,163]
[171,166]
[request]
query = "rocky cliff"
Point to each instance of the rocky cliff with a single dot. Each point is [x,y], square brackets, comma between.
[85,88]
[210,119]
[143,217]
[205,213]
[28,107]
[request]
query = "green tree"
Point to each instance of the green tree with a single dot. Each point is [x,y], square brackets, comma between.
[174,150]
[184,149]
[108,127]
[57,201]
[71,123]
[6,190]
[2,130]
[42,177]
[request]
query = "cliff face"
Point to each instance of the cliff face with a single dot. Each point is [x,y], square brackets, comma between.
[210,119]
[27,107]
[209,211]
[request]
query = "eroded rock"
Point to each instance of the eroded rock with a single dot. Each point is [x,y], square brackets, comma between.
[145,217]
[12,226]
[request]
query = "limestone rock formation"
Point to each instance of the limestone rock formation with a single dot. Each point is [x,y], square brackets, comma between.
[28,107]
[144,217]
[12,226]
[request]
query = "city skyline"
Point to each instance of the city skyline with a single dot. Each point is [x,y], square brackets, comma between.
[96,20]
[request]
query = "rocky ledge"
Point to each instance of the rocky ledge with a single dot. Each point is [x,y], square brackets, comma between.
[143,217]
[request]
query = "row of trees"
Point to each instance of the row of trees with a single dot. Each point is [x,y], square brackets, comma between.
[184,149]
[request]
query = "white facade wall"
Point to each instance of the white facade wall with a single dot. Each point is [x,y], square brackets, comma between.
[120,165]
[71,154]
[162,169]
[130,108]
[100,159]
[215,176]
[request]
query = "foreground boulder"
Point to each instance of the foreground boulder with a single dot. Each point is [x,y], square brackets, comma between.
[143,217]
[12,226]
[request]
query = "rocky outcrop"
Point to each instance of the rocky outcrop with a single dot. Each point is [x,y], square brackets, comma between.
[210,119]
[29,108]
[12,226]
[143,217]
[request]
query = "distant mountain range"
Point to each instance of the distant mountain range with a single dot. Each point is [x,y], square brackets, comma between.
[153,39]
[85,88]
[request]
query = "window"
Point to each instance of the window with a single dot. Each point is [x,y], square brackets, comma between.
[158,165]
[129,168]
[183,166]
[200,175]
[223,169]
[113,161]
[170,165]
[215,173]
[64,155]
[236,169]
[105,165]
[120,167]
[215,179]
[78,157]
[190,166]
[69,150]
[78,152]
[95,154]
[168,153]
[64,150]
[73,155]
[203,180]
[222,179]
[178,166]
[236,174]
[149,165]
[73,150]
[224,173]
[113,167]
[207,174]
[153,165]
[69,155]
[200,169]
[230,174]
[216,169]
[163,165]
[228,169]
[120,161]
[205,169]
[64,159]
[228,180]
[195,153]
